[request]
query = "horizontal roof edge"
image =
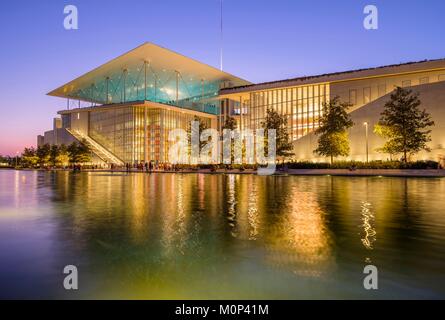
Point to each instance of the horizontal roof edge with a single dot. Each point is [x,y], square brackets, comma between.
[336,76]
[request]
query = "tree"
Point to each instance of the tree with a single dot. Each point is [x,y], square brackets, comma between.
[386,132]
[43,153]
[29,157]
[202,126]
[84,152]
[334,122]
[230,123]
[58,155]
[63,157]
[404,124]
[53,154]
[79,152]
[73,152]
[278,122]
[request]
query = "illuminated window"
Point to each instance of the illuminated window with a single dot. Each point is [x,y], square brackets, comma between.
[353,97]
[424,80]
[406,83]
[382,90]
[442,77]
[367,95]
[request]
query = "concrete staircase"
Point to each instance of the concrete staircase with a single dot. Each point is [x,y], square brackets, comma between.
[96,148]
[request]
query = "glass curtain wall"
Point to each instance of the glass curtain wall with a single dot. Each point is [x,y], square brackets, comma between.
[142,82]
[113,129]
[301,105]
[121,131]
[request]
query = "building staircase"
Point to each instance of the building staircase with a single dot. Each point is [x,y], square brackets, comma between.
[96,148]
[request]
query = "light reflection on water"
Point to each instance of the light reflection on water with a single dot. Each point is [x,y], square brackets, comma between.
[220,236]
[369,236]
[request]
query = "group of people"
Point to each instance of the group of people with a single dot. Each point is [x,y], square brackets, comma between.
[150,166]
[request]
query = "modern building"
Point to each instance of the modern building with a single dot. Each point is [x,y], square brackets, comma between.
[134,101]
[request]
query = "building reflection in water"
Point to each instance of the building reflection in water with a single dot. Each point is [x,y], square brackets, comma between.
[369,233]
[300,237]
[289,222]
[231,201]
[188,235]
[252,211]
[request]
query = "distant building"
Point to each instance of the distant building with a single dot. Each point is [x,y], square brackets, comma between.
[40,140]
[137,98]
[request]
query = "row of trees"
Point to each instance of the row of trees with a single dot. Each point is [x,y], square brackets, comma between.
[404,125]
[54,155]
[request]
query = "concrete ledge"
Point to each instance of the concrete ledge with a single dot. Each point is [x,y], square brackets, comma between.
[371,172]
[300,172]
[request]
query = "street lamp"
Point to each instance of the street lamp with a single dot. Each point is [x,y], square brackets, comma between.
[366,133]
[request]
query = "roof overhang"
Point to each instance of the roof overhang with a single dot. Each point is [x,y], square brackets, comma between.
[127,73]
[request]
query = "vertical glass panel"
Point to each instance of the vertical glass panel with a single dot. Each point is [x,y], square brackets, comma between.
[367,95]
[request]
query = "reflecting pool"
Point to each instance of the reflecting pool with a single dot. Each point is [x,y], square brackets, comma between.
[215,236]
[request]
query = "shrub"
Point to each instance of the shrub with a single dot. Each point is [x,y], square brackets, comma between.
[428,164]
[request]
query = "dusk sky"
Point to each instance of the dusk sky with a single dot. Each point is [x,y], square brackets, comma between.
[264,40]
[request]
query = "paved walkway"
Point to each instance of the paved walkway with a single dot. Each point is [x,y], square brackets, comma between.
[318,172]
[303,172]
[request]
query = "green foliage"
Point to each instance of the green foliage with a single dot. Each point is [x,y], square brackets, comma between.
[333,144]
[386,133]
[334,122]
[29,157]
[63,156]
[43,154]
[79,152]
[202,127]
[365,165]
[404,125]
[308,165]
[53,154]
[230,124]
[58,155]
[278,122]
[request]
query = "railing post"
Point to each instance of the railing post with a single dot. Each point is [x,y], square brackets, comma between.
[107,79]
[145,80]
[177,88]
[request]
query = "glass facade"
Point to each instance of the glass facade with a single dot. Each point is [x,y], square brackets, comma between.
[114,130]
[160,123]
[122,131]
[302,106]
[142,82]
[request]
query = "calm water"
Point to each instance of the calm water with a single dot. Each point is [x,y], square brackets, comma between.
[202,236]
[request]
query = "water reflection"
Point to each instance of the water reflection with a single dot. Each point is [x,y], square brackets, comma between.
[231,201]
[252,211]
[220,236]
[368,229]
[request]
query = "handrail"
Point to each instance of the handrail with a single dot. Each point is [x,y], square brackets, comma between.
[98,149]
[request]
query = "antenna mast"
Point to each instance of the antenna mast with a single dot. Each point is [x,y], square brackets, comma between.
[221,25]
